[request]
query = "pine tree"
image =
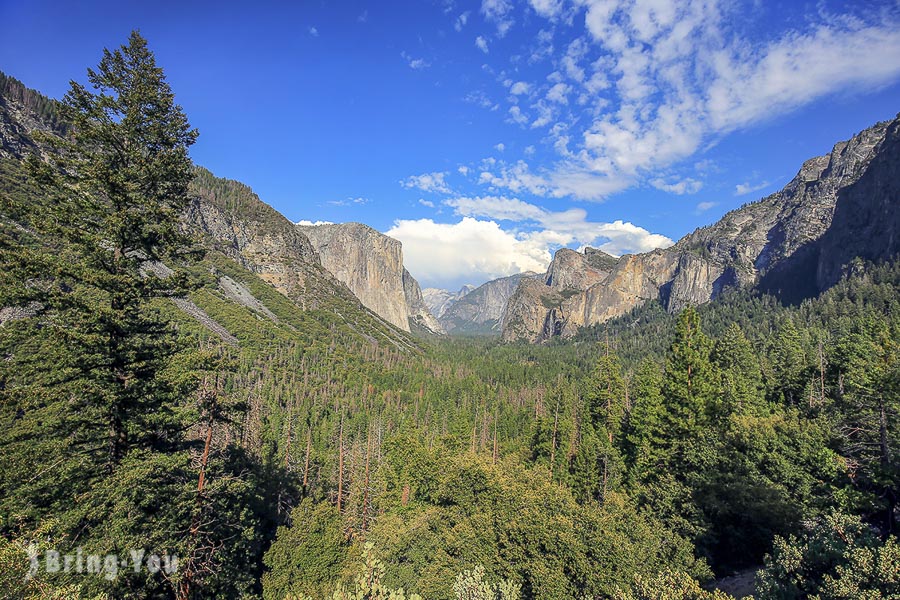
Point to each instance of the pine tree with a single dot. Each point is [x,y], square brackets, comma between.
[689,392]
[739,374]
[689,386]
[645,433]
[98,392]
[605,400]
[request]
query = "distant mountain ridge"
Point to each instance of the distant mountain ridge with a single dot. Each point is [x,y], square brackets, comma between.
[438,300]
[233,222]
[479,311]
[794,243]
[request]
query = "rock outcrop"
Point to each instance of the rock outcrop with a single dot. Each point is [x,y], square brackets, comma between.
[794,243]
[439,301]
[419,315]
[371,265]
[480,311]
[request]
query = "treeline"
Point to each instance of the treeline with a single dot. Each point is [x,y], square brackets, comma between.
[316,458]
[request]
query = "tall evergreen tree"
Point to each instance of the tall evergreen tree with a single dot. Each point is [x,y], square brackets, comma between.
[740,378]
[689,385]
[645,433]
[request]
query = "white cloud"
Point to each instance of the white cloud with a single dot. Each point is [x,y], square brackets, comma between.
[427,203]
[742,189]
[564,179]
[558,93]
[679,188]
[494,207]
[649,83]
[415,63]
[482,100]
[482,44]
[427,182]
[519,88]
[305,223]
[463,170]
[313,32]
[705,206]
[350,200]
[461,21]
[498,11]
[363,17]
[561,227]
[517,116]
[448,254]
[478,248]
[547,8]
[500,147]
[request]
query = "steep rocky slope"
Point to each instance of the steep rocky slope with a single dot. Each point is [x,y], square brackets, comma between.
[418,312]
[439,301]
[480,311]
[233,223]
[371,265]
[794,243]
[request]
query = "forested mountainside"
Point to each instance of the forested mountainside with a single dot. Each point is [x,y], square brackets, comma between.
[181,374]
[793,244]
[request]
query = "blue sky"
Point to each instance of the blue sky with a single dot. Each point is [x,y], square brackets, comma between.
[486,134]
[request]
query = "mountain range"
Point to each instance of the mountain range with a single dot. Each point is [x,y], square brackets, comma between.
[794,244]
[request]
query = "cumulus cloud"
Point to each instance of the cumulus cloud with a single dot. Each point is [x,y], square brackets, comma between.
[498,11]
[742,189]
[313,31]
[449,254]
[482,44]
[519,88]
[427,182]
[517,116]
[648,83]
[679,188]
[547,8]
[478,247]
[305,223]
[705,206]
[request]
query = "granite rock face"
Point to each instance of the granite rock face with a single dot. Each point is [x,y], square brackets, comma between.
[418,313]
[481,310]
[258,238]
[439,301]
[371,265]
[794,243]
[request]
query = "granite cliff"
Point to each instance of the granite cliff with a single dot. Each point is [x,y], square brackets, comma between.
[794,243]
[439,301]
[371,265]
[479,311]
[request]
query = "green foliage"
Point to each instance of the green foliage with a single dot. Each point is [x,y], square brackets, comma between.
[367,583]
[308,557]
[470,585]
[669,585]
[837,557]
